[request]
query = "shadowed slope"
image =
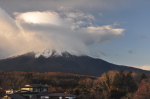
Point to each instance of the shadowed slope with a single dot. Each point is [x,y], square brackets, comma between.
[66,63]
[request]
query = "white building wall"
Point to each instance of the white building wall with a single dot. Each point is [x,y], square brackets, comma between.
[60,97]
[70,97]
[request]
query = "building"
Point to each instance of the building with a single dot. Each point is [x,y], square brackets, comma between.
[34,88]
[9,91]
[38,91]
[31,91]
[61,96]
[13,96]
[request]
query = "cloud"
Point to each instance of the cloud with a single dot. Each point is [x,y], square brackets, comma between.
[12,37]
[39,17]
[71,31]
[145,67]
[131,51]
[40,5]
[144,37]
[7,30]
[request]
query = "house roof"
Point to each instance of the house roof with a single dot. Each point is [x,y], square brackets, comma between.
[1,90]
[34,85]
[37,93]
[16,96]
[61,94]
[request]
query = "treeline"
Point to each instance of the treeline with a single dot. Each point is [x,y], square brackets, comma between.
[110,85]
[17,79]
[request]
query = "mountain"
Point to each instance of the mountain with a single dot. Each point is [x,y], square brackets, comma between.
[64,62]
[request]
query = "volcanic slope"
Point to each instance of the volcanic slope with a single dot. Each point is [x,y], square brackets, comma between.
[65,63]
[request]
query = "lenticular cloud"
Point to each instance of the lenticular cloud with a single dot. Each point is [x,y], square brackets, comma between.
[39,17]
[65,31]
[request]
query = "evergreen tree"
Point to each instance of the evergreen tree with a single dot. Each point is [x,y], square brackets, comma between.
[119,80]
[130,83]
[122,84]
[143,76]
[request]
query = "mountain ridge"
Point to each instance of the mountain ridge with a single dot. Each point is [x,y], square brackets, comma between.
[66,63]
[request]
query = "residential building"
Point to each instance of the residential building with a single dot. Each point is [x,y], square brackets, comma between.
[38,91]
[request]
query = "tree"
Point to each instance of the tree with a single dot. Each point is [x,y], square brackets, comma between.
[130,83]
[122,85]
[119,81]
[87,83]
[143,90]
[143,76]
[105,82]
[76,92]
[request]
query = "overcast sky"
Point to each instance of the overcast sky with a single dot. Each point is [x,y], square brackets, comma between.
[114,30]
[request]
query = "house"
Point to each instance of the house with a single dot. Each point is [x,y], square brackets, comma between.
[38,91]
[13,96]
[61,96]
[9,91]
[34,88]
[30,91]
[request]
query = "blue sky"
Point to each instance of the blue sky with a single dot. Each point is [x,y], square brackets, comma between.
[133,48]
[128,46]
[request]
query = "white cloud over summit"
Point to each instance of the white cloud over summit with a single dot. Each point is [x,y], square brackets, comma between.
[39,17]
[55,30]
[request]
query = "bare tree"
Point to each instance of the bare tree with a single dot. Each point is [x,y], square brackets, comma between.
[143,90]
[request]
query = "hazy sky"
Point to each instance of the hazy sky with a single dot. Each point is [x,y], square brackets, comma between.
[114,30]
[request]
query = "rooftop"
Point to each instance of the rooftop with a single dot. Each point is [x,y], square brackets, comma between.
[62,94]
[34,85]
[16,96]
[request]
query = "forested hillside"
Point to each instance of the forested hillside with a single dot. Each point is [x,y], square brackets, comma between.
[110,85]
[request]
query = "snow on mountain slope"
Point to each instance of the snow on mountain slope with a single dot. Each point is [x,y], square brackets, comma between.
[49,53]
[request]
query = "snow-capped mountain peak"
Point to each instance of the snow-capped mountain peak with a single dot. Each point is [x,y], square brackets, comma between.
[48,53]
[53,53]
